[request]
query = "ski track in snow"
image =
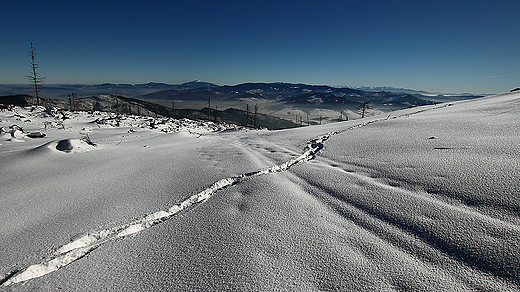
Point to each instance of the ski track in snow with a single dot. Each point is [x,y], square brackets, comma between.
[82,246]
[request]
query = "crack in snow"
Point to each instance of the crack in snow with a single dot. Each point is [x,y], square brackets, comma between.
[82,246]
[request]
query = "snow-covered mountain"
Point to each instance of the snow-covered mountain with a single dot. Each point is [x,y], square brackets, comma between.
[419,199]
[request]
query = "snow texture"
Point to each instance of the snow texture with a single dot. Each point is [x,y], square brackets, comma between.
[423,199]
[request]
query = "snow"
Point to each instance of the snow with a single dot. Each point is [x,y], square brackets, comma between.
[422,199]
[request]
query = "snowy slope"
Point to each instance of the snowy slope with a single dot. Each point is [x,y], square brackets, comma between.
[423,199]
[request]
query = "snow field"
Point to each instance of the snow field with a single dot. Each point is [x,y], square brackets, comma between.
[421,199]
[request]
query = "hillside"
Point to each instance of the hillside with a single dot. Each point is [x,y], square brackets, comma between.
[132,106]
[421,199]
[287,101]
[290,101]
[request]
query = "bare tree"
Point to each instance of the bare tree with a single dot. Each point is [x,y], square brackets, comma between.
[35,77]
[247,115]
[256,113]
[363,107]
[72,101]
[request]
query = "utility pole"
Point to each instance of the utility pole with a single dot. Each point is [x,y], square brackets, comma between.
[216,110]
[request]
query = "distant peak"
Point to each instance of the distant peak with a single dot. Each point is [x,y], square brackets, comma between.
[198,84]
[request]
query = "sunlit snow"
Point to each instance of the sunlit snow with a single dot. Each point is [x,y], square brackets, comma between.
[422,199]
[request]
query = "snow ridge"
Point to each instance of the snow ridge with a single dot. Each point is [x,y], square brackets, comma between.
[85,244]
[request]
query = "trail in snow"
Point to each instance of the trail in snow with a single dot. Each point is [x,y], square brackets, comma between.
[80,247]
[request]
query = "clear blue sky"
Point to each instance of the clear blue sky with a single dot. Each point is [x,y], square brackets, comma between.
[446,46]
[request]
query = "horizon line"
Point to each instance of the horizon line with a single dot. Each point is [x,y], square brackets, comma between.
[251,82]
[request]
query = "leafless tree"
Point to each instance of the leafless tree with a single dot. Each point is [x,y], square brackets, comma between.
[256,113]
[35,77]
[72,101]
[247,115]
[363,107]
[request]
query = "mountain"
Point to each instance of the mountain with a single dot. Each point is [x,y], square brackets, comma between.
[291,94]
[289,101]
[197,84]
[62,91]
[410,91]
[151,85]
[436,96]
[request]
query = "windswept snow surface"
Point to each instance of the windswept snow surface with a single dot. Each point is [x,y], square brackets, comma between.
[423,199]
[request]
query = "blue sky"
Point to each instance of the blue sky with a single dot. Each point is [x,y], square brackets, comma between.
[445,46]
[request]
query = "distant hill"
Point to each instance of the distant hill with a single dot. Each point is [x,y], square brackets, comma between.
[287,101]
[17,100]
[61,91]
[296,94]
[285,98]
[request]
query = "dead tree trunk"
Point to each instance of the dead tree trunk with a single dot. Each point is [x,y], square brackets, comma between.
[256,113]
[35,78]
[247,115]
[363,107]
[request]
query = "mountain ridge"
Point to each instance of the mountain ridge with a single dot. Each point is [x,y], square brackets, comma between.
[290,101]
